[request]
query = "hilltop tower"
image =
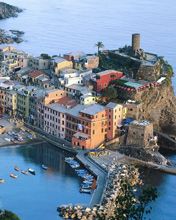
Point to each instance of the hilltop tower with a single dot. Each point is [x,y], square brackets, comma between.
[135,42]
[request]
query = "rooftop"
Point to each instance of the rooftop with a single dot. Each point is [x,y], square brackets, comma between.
[93,109]
[140,123]
[82,89]
[35,74]
[59,59]
[112,105]
[106,72]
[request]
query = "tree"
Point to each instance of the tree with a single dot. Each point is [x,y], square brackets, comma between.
[99,46]
[133,204]
[45,56]
[110,93]
[7,215]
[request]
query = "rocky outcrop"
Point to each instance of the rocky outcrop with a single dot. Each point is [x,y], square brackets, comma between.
[12,36]
[159,106]
[9,37]
[143,154]
[7,11]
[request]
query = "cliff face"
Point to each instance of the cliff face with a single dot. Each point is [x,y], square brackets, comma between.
[159,106]
[7,11]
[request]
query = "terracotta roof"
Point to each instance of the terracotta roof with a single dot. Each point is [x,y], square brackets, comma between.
[35,73]
[67,101]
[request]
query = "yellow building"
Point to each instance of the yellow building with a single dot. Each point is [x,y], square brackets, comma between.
[11,102]
[88,99]
[59,64]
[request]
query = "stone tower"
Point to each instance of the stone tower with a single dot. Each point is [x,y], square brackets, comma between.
[135,42]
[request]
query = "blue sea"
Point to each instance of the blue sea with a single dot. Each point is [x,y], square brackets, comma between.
[59,26]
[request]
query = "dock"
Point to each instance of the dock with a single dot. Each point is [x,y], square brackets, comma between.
[99,172]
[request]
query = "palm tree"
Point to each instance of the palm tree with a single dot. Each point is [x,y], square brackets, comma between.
[99,45]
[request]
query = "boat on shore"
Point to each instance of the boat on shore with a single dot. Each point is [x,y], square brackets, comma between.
[31,171]
[13,175]
[44,167]
[2,180]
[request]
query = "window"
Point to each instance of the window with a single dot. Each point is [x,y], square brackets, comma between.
[93,132]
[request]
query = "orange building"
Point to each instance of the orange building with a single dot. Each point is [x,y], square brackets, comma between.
[92,127]
[53,96]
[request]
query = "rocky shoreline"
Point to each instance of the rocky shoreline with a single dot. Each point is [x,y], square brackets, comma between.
[8,11]
[11,36]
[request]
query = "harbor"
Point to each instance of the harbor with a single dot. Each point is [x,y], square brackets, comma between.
[56,183]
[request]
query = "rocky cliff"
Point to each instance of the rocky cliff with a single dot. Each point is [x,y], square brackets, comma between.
[158,103]
[7,11]
[159,106]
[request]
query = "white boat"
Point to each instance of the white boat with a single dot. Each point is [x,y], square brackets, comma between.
[86,186]
[31,171]
[74,166]
[44,167]
[85,191]
[87,182]
[2,180]
[16,168]
[25,172]
[68,159]
[13,175]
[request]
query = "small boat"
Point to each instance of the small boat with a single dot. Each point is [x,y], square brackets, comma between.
[85,191]
[2,181]
[87,182]
[81,171]
[86,186]
[68,159]
[31,171]
[25,172]
[74,166]
[16,168]
[13,176]
[44,167]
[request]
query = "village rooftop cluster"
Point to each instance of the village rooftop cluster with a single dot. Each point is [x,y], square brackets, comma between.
[63,96]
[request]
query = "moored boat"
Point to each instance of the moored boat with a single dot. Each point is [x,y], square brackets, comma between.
[69,159]
[13,175]
[44,167]
[25,172]
[86,186]
[85,191]
[31,171]
[16,168]
[2,180]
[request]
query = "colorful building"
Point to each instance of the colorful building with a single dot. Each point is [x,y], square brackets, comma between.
[103,79]
[115,114]
[60,63]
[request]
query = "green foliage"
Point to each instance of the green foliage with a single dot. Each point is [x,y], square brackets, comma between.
[7,215]
[99,46]
[110,92]
[133,203]
[45,56]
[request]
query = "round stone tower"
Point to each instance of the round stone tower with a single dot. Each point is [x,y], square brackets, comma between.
[135,42]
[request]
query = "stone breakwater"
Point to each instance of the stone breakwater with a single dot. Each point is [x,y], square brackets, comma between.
[107,208]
